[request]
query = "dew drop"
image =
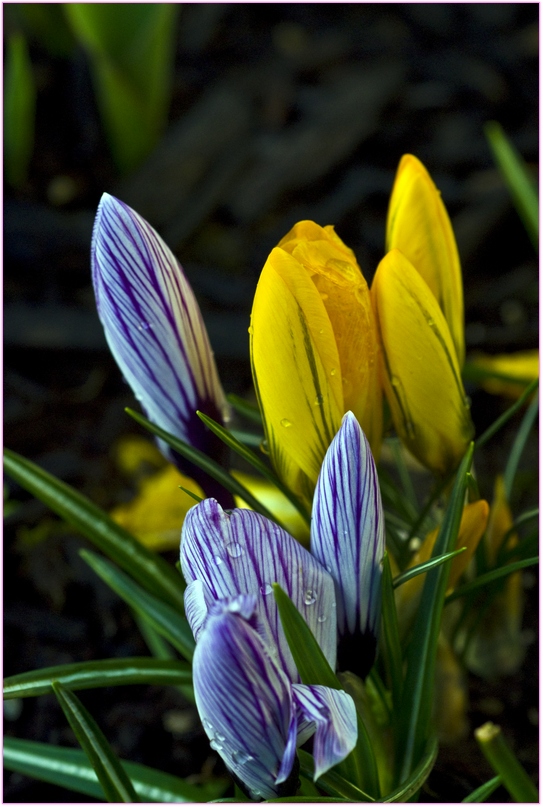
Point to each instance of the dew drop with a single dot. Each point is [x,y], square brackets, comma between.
[286,423]
[250,329]
[217,560]
[395,381]
[323,295]
[215,745]
[467,402]
[322,618]
[235,550]
[310,597]
[329,569]
[220,737]
[264,447]
[334,605]
[266,589]
[333,371]
[321,330]
[241,757]
[319,400]
[431,323]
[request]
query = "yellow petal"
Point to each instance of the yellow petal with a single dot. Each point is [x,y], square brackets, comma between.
[296,370]
[451,695]
[419,226]
[420,371]
[276,502]
[157,513]
[517,371]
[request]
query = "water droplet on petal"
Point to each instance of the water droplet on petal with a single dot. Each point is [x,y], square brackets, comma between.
[319,400]
[329,569]
[467,402]
[217,560]
[286,423]
[395,381]
[266,589]
[145,326]
[235,550]
[215,746]
[241,757]
[333,371]
[322,618]
[220,737]
[250,329]
[334,605]
[310,597]
[264,447]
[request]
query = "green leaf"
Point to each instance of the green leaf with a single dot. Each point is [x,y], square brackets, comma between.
[308,800]
[250,457]
[413,783]
[507,415]
[70,768]
[392,650]
[245,408]
[518,446]
[164,619]
[19,111]
[360,766]
[92,674]
[500,756]
[522,187]
[46,24]
[202,461]
[145,566]
[420,568]
[417,695]
[482,793]
[331,781]
[109,771]
[131,50]
[490,577]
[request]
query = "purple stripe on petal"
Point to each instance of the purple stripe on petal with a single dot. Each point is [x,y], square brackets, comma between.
[244,700]
[334,715]
[243,552]
[153,325]
[347,528]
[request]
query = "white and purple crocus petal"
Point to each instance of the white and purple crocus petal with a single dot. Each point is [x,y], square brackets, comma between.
[154,327]
[241,552]
[347,537]
[245,701]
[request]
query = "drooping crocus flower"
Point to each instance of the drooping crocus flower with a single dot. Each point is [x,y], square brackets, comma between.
[420,370]
[155,330]
[247,688]
[419,226]
[314,351]
[348,537]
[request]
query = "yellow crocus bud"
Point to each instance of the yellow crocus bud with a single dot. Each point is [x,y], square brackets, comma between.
[419,226]
[314,351]
[420,370]
[508,373]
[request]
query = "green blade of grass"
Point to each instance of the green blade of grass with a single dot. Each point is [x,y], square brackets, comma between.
[392,650]
[499,754]
[518,446]
[413,783]
[490,577]
[92,674]
[19,111]
[482,793]
[110,773]
[425,567]
[145,566]
[70,768]
[507,415]
[164,619]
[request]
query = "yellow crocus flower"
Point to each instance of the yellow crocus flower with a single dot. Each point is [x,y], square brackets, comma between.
[420,370]
[419,226]
[314,351]
[508,373]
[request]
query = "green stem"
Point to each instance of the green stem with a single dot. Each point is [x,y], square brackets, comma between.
[498,753]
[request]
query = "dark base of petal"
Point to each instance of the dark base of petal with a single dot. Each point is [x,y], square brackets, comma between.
[356,653]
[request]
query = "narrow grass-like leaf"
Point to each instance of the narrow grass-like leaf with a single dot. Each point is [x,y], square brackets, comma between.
[507,415]
[417,695]
[490,577]
[245,408]
[518,446]
[145,566]
[205,463]
[247,438]
[482,793]
[194,496]
[93,674]
[254,460]
[499,754]
[392,650]
[425,567]
[19,111]
[332,782]
[115,783]
[309,800]
[522,187]
[413,783]
[360,766]
[70,768]
[164,619]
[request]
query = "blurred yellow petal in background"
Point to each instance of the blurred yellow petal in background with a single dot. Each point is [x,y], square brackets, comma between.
[517,370]
[420,371]
[314,351]
[419,226]
[276,502]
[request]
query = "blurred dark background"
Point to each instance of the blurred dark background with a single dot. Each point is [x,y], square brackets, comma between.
[278,113]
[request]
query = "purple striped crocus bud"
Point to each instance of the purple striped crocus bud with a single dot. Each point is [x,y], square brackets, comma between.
[241,552]
[155,330]
[348,538]
[251,712]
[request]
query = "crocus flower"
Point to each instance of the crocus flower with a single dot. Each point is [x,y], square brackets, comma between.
[419,226]
[248,691]
[348,537]
[420,369]
[155,330]
[314,351]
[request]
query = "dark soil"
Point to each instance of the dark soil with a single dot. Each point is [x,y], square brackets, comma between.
[297,111]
